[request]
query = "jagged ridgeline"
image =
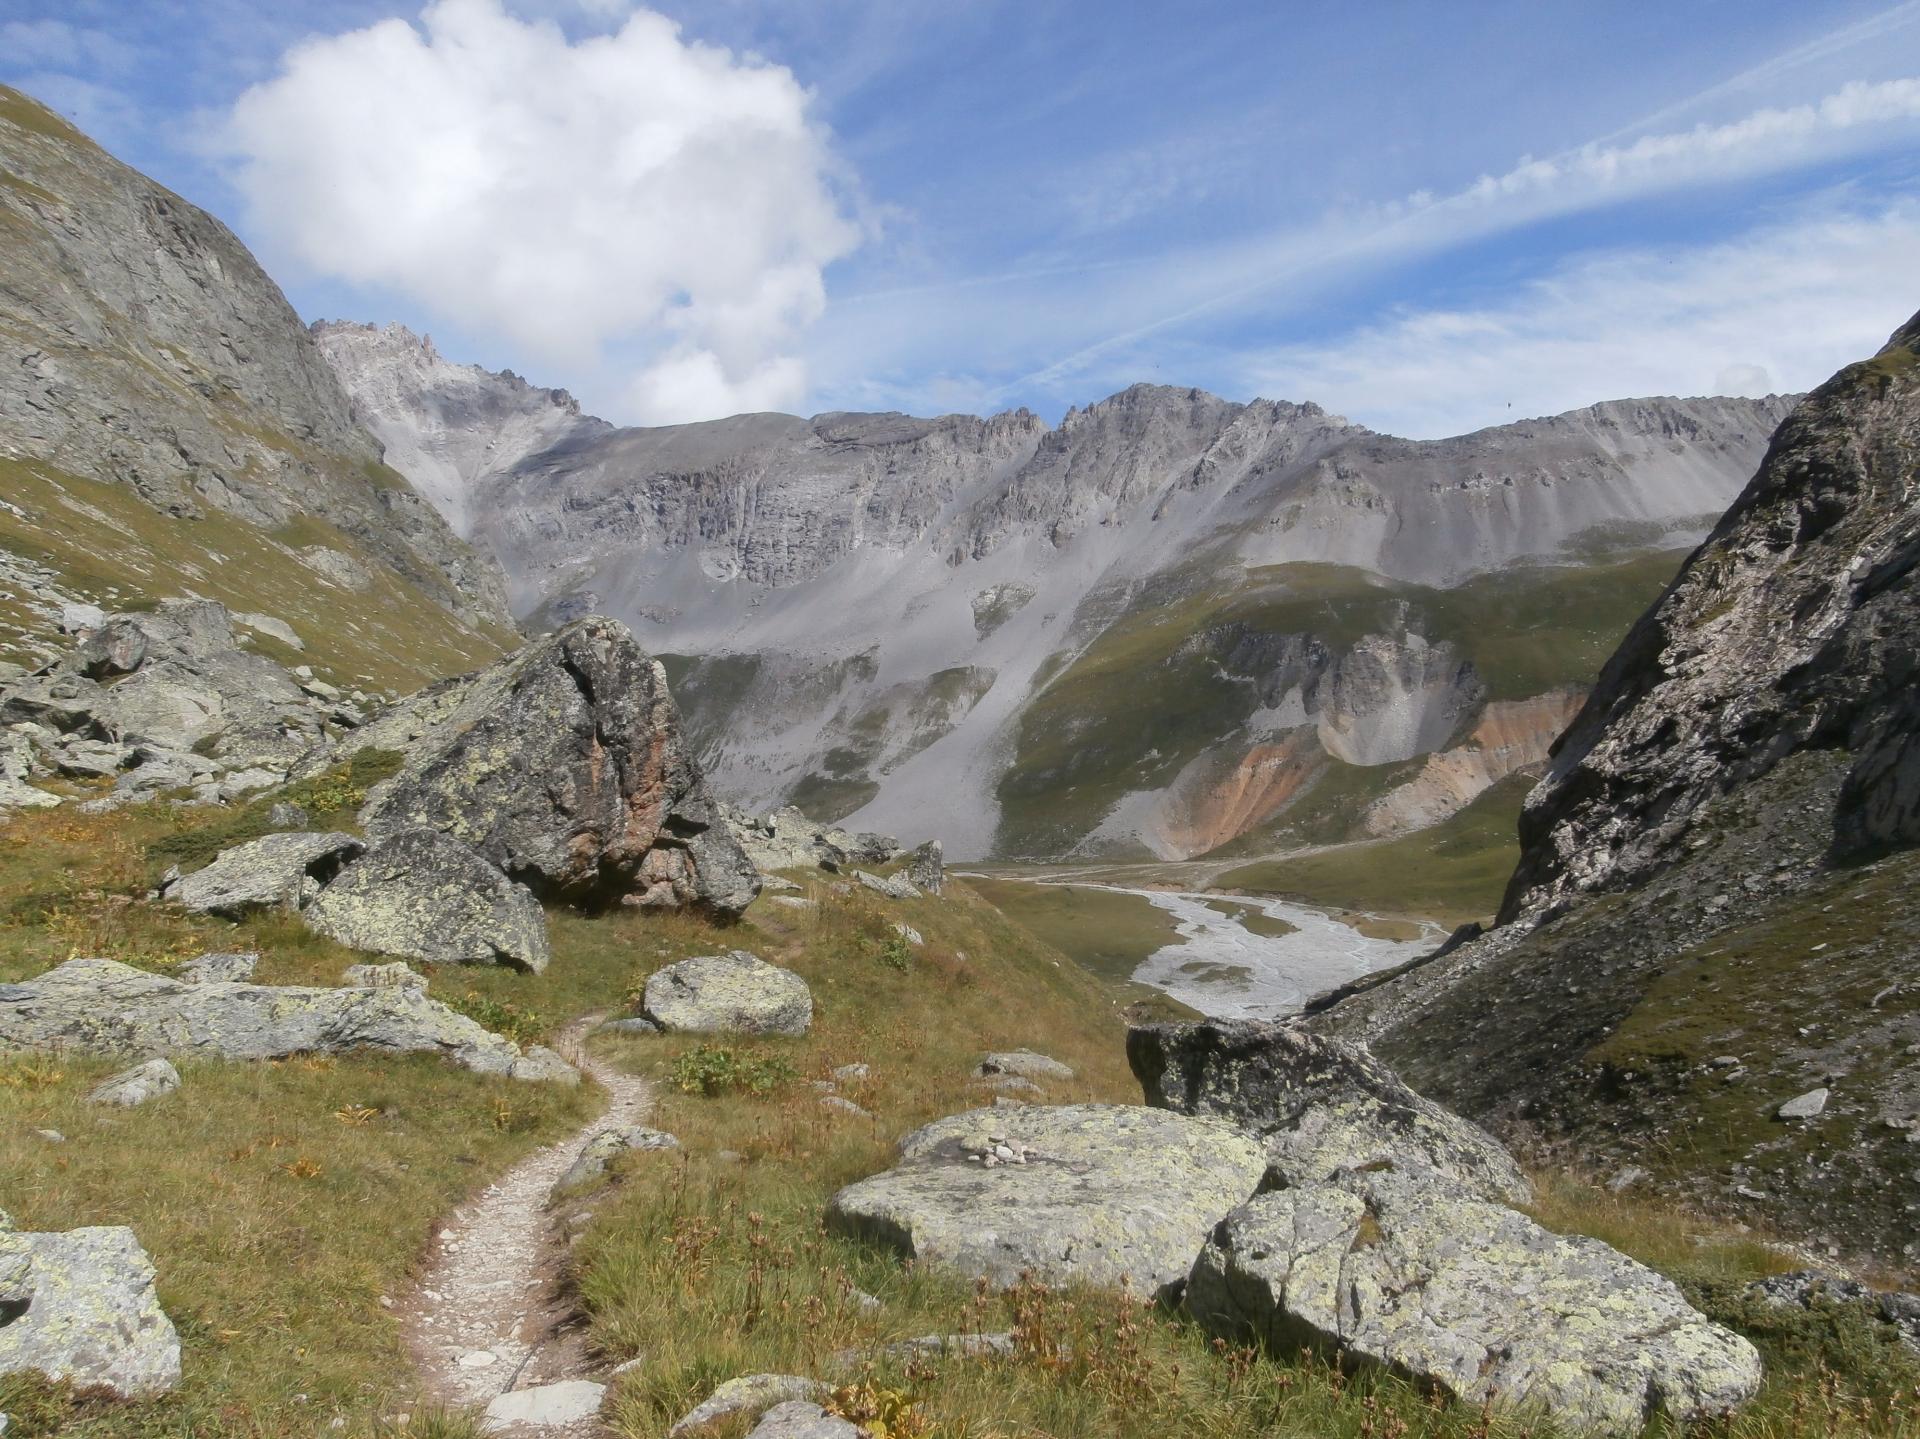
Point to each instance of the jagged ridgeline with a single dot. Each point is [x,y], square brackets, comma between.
[1705,965]
[168,428]
[1168,624]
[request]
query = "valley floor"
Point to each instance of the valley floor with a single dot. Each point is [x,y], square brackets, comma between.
[291,1208]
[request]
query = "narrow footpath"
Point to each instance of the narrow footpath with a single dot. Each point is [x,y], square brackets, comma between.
[488,1315]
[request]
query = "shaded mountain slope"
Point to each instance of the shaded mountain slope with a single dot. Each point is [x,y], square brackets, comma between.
[1712,913]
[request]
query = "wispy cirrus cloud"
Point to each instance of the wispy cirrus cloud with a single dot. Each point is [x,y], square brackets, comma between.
[1774,311]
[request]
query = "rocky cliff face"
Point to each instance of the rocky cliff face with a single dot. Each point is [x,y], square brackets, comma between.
[145,349]
[1712,914]
[1796,627]
[890,618]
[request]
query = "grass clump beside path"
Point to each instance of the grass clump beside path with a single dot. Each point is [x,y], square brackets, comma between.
[712,1262]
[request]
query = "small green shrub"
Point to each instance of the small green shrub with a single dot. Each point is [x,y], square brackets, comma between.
[715,1069]
[894,952]
[502,1016]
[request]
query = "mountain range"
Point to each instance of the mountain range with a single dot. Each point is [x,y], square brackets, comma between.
[1168,624]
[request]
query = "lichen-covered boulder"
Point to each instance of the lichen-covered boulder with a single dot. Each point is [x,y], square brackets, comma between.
[101,1007]
[1083,1193]
[133,1087]
[276,871]
[564,765]
[1422,1277]
[90,1315]
[727,994]
[1321,1106]
[427,896]
[928,867]
[749,1394]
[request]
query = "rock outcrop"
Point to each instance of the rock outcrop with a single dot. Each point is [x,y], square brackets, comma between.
[101,1007]
[564,766]
[1422,1278]
[787,839]
[1321,1107]
[170,699]
[1796,626]
[737,993]
[1717,864]
[80,1307]
[1088,1193]
[424,895]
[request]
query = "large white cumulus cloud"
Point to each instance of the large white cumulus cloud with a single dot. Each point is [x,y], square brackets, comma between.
[563,196]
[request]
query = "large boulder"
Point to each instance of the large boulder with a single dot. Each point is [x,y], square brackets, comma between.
[427,896]
[101,1007]
[80,1306]
[276,871]
[1424,1278]
[1321,1106]
[1082,1193]
[737,993]
[928,868]
[564,765]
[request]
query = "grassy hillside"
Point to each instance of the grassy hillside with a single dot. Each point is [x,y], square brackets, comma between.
[711,1262]
[1452,873]
[1151,693]
[105,544]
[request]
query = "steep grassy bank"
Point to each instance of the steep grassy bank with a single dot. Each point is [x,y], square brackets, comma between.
[107,545]
[1159,686]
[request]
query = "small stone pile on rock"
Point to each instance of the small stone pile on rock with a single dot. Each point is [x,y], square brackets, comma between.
[992,1150]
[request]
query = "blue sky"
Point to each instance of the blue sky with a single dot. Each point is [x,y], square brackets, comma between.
[1426,217]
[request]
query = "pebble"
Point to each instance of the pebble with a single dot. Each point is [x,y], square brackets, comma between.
[1804,1106]
[479,1359]
[52,1136]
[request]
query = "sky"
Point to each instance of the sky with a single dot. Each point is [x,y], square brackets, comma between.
[1426,218]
